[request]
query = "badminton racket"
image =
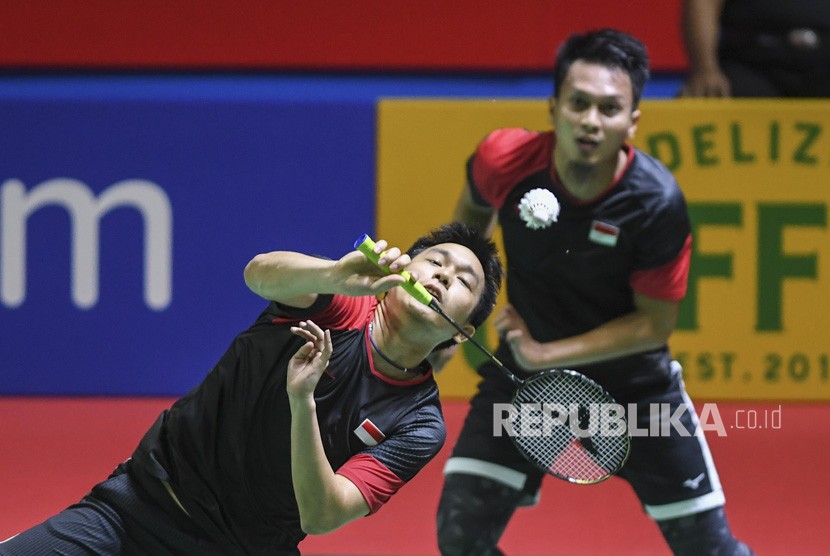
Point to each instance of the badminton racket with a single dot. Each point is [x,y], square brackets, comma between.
[563,422]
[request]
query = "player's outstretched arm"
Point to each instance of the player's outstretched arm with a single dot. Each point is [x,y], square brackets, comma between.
[296,279]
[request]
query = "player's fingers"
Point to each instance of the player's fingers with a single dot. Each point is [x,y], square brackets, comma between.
[328,348]
[311,326]
[400,262]
[500,324]
[514,336]
[380,246]
[305,351]
[388,256]
[386,283]
[303,333]
[504,320]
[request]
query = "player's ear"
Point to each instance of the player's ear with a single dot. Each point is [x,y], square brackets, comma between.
[461,338]
[635,119]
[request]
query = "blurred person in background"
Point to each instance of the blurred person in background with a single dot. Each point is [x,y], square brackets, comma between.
[597,291]
[757,48]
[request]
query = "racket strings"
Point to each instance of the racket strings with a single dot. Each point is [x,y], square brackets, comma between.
[557,426]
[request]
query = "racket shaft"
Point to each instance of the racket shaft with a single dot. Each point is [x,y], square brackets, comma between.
[434,306]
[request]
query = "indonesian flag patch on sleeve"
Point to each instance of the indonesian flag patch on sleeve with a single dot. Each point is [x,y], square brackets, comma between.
[369,434]
[604,234]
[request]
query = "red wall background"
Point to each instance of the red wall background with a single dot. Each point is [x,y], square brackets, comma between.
[428,35]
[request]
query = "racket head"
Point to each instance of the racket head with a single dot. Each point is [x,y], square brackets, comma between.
[570,427]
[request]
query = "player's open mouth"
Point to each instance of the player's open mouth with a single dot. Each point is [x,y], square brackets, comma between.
[587,144]
[435,292]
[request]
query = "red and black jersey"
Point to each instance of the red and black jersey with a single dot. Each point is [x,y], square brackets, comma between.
[225,446]
[583,269]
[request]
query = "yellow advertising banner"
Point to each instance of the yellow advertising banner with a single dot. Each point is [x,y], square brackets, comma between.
[756,173]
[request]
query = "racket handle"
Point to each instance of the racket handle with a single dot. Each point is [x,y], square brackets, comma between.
[365,245]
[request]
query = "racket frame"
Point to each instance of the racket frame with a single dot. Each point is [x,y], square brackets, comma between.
[598,390]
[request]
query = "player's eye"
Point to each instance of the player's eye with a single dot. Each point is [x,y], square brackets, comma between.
[579,103]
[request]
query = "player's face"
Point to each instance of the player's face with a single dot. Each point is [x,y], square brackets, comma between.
[592,114]
[453,275]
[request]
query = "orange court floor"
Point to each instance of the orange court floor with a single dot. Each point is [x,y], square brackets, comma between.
[775,478]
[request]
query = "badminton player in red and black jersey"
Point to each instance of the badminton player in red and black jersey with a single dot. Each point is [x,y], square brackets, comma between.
[596,291]
[315,416]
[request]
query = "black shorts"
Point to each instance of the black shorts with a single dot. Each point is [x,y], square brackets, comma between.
[672,472]
[119,516]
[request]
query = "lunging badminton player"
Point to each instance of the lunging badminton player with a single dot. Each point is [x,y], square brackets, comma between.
[315,416]
[596,291]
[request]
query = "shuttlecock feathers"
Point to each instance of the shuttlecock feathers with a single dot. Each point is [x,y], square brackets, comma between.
[539,208]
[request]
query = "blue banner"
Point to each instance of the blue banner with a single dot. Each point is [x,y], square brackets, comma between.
[125,225]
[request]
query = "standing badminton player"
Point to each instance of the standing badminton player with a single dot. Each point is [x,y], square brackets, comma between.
[596,290]
[315,416]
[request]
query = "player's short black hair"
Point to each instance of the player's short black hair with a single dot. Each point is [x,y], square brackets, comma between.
[608,47]
[486,252]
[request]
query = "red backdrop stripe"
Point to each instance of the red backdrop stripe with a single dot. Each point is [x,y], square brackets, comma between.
[321,34]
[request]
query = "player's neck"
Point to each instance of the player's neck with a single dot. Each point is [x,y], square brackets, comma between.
[393,359]
[588,181]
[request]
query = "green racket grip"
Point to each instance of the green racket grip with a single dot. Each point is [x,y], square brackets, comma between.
[365,245]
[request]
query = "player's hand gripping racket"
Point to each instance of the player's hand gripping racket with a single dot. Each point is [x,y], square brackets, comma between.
[562,421]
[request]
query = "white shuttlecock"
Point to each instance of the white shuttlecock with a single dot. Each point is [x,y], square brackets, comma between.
[539,208]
